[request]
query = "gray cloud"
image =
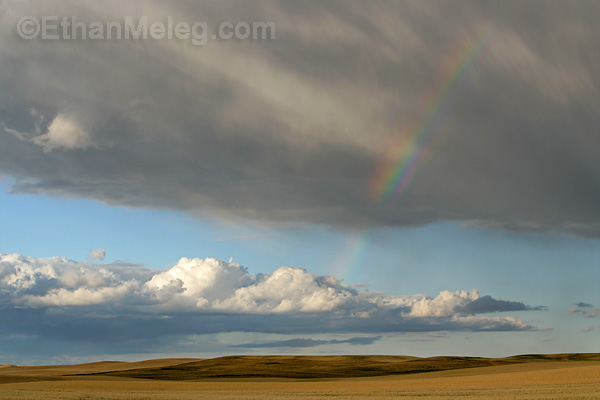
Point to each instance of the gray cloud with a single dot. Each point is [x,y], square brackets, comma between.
[488,304]
[299,343]
[294,129]
[587,310]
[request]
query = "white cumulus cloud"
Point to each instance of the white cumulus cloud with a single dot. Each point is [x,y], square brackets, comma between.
[64,131]
[98,254]
[446,304]
[81,296]
[209,287]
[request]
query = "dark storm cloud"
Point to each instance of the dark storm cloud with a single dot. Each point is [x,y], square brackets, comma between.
[293,129]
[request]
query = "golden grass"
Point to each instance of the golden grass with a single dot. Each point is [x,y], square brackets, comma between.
[533,379]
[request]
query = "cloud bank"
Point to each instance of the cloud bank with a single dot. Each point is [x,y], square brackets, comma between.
[209,295]
[300,343]
[295,129]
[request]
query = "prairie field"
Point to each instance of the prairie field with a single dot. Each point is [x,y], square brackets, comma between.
[572,376]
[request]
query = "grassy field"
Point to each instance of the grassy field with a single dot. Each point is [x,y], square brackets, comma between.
[342,377]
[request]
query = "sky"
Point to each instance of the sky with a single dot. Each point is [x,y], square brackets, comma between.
[392,177]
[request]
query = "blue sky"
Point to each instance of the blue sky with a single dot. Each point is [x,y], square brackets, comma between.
[552,270]
[393,178]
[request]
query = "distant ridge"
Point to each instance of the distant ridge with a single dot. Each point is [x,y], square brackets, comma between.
[286,367]
[311,367]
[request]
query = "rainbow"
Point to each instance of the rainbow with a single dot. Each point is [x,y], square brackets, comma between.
[355,251]
[398,169]
[412,145]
